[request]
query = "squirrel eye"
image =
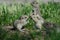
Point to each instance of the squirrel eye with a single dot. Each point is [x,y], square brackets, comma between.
[36,2]
[32,10]
[38,18]
[33,2]
[33,13]
[22,18]
[25,17]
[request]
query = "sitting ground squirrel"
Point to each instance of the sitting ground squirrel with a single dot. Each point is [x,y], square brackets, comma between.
[20,23]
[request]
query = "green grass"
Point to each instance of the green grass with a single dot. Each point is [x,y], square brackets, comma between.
[8,13]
